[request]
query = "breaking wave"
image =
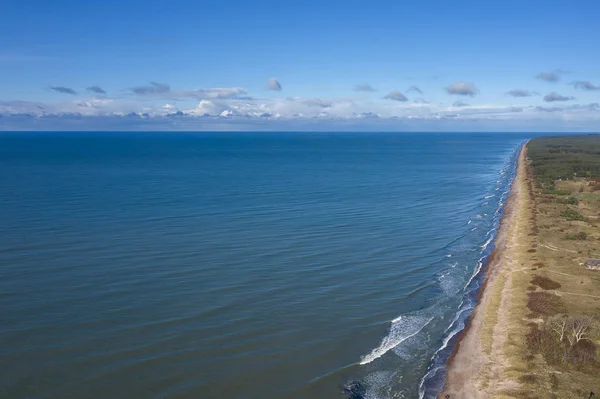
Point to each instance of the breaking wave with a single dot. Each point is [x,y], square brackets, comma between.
[402,328]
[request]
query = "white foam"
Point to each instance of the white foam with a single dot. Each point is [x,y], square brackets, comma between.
[489,240]
[489,196]
[421,387]
[380,384]
[475,272]
[402,328]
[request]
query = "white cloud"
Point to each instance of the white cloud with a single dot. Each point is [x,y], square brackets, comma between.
[364,87]
[271,112]
[206,107]
[163,90]
[214,93]
[554,96]
[396,96]
[462,89]
[273,84]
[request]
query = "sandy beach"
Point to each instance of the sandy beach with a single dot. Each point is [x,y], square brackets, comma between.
[476,367]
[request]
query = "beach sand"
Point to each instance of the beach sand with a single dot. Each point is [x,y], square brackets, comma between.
[476,368]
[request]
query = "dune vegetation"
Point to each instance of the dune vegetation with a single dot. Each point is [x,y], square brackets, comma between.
[558,356]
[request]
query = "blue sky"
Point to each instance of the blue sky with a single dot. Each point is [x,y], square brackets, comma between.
[515,65]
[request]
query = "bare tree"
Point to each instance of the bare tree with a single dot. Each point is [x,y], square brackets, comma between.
[558,324]
[578,327]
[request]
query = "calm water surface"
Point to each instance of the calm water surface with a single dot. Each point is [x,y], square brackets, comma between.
[156,265]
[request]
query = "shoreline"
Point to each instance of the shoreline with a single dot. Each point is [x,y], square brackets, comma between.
[468,359]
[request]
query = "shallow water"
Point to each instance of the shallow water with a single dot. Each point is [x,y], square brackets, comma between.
[255,265]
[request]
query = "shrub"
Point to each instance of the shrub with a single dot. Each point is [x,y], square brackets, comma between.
[572,214]
[545,342]
[583,351]
[568,201]
[544,283]
[528,378]
[545,303]
[581,236]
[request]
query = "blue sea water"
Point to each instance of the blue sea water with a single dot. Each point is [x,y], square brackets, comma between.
[241,265]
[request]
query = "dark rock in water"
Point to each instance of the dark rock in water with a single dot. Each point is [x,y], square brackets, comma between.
[354,390]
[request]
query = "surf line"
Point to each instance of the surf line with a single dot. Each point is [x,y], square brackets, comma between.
[389,343]
[432,383]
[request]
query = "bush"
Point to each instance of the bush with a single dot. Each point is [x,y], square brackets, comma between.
[545,342]
[574,348]
[528,378]
[583,351]
[545,283]
[554,381]
[568,201]
[572,214]
[545,303]
[581,236]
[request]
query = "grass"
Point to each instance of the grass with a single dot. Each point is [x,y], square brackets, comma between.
[491,314]
[571,214]
[553,191]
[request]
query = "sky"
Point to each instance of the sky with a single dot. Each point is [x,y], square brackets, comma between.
[300,65]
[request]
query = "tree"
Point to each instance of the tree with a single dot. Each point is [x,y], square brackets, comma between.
[578,328]
[558,324]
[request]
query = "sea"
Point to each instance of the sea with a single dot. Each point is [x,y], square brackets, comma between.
[242,265]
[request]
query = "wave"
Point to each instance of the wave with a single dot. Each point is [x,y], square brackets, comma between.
[489,240]
[403,328]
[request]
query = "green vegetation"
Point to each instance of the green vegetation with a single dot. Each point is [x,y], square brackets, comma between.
[553,191]
[581,236]
[571,214]
[558,355]
[562,158]
[567,201]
